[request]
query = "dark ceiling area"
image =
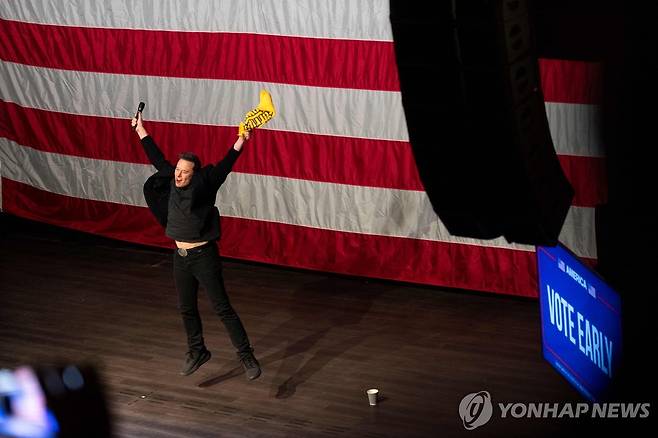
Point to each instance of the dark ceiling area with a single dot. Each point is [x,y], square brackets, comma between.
[578,30]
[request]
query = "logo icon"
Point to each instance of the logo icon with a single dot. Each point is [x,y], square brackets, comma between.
[475,409]
[561,265]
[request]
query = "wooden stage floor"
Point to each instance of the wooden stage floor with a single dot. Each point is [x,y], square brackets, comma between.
[322,340]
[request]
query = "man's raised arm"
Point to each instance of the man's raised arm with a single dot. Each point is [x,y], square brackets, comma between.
[220,171]
[154,154]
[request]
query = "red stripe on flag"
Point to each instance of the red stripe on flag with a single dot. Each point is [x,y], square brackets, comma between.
[209,55]
[445,264]
[341,160]
[118,221]
[410,260]
[320,62]
[588,177]
[571,81]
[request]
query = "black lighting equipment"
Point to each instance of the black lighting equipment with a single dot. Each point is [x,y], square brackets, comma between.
[476,119]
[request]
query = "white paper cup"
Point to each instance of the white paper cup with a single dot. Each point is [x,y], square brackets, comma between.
[372,396]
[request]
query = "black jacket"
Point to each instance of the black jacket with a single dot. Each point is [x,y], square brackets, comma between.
[158,186]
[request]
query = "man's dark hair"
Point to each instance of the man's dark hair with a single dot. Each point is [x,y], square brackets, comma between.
[189,156]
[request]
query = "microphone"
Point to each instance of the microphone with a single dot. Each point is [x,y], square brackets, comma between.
[140,108]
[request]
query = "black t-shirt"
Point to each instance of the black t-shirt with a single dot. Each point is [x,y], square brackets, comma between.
[182,224]
[188,214]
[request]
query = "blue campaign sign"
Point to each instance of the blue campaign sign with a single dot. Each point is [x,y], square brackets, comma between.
[581,322]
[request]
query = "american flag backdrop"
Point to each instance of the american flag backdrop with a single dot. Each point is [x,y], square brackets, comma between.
[329,184]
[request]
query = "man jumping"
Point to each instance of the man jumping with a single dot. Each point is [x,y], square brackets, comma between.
[182,198]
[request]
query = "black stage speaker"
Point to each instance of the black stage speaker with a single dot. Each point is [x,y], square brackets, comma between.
[476,118]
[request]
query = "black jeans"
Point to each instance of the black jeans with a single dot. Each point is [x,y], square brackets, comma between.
[202,266]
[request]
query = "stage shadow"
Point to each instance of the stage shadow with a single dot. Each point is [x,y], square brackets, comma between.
[319,307]
[234,372]
[298,347]
[322,307]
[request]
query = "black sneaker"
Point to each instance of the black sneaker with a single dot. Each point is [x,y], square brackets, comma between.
[251,366]
[193,360]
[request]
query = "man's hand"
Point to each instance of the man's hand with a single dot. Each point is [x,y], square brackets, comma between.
[241,139]
[138,126]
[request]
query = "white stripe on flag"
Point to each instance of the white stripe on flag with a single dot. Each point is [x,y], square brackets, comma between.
[341,19]
[576,129]
[79,177]
[314,110]
[338,207]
